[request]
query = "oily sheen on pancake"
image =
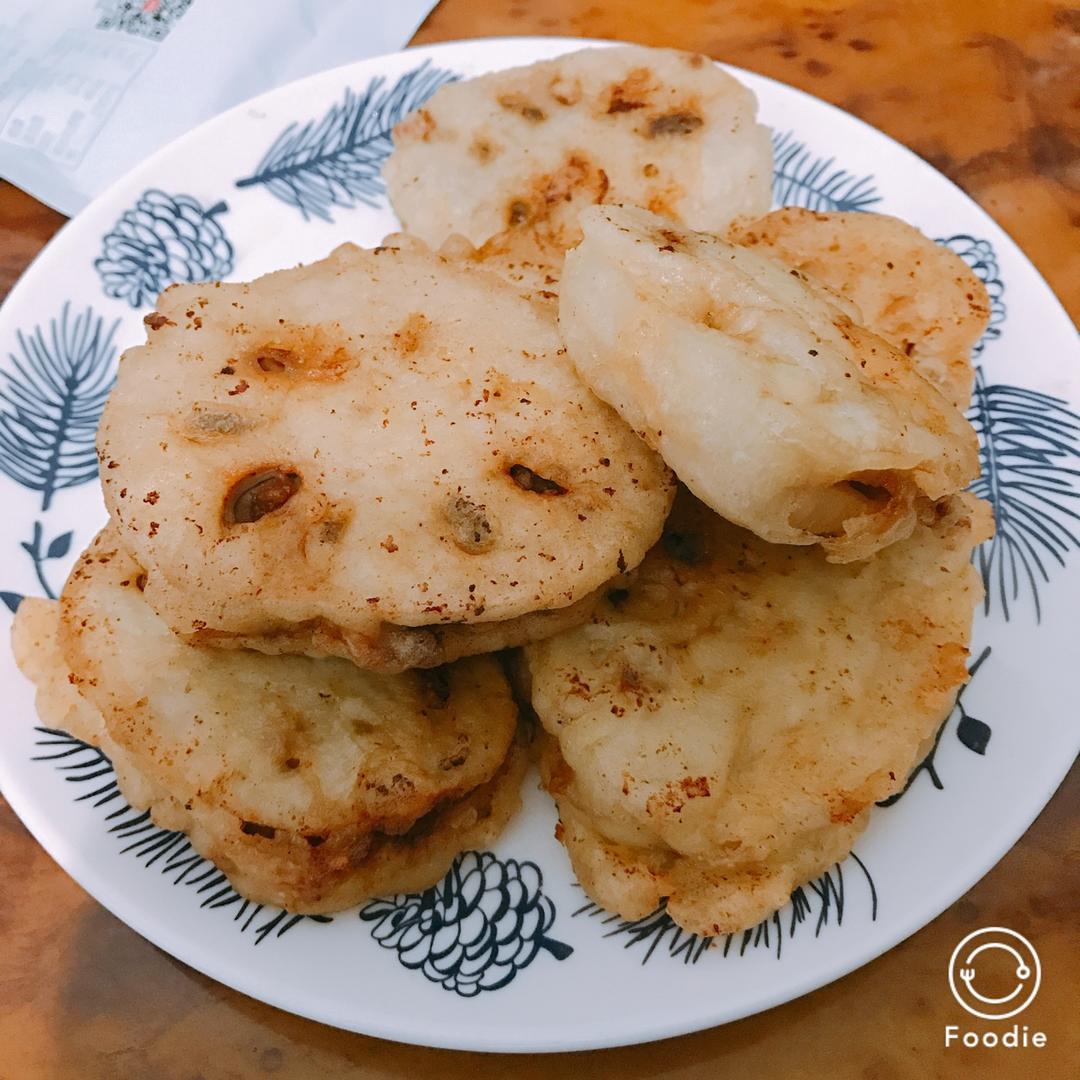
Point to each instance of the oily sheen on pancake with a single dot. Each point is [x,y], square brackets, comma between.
[347,457]
[311,783]
[719,734]
[527,148]
[920,296]
[757,386]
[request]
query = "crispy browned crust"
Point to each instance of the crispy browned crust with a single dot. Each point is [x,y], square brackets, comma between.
[704,897]
[345,448]
[398,648]
[291,868]
[288,871]
[719,734]
[290,742]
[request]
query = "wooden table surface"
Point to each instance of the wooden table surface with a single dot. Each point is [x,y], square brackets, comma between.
[988,91]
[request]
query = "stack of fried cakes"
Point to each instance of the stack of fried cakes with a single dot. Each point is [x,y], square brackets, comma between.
[692,472]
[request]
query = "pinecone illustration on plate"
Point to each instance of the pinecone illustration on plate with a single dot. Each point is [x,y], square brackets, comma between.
[980,256]
[485,921]
[163,239]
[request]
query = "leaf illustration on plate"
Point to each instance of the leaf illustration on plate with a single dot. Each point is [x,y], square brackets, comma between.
[338,160]
[482,924]
[980,256]
[40,553]
[814,904]
[59,546]
[973,733]
[1029,446]
[161,240]
[803,178]
[51,399]
[170,852]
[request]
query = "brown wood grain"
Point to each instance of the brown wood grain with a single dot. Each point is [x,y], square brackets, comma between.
[987,91]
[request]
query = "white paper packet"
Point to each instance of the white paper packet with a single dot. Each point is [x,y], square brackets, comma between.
[89,88]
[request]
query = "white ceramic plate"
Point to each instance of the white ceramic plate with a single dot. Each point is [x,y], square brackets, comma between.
[283,180]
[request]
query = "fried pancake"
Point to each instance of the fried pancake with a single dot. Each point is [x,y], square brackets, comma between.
[526,148]
[921,297]
[384,439]
[286,741]
[720,733]
[306,873]
[310,782]
[757,386]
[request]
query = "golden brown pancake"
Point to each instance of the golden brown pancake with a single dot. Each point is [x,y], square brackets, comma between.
[718,735]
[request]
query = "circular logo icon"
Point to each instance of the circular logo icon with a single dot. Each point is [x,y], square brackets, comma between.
[1010,973]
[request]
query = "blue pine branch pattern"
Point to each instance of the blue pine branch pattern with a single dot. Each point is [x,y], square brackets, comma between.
[802,178]
[1029,445]
[51,399]
[337,161]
